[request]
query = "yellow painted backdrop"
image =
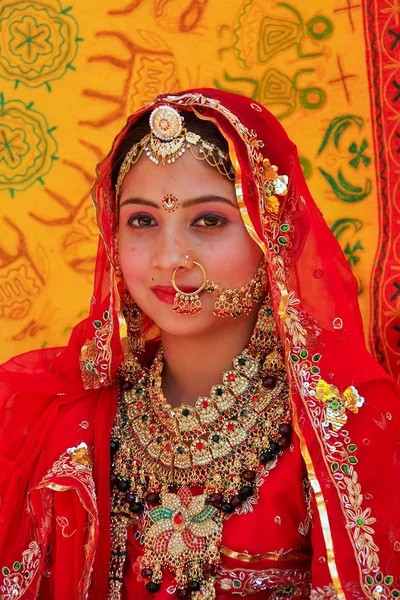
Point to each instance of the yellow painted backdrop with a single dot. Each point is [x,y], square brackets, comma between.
[70,75]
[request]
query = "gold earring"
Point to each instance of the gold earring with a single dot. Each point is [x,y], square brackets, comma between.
[187,304]
[237,302]
[134,322]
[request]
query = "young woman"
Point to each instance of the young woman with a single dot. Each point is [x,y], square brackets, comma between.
[222,379]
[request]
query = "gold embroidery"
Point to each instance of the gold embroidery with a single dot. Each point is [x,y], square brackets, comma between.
[304,528]
[243,582]
[44,526]
[18,578]
[341,455]
[323,513]
[328,592]
[63,523]
[301,554]
[96,354]
[289,315]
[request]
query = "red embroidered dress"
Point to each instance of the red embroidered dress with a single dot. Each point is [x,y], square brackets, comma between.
[343,542]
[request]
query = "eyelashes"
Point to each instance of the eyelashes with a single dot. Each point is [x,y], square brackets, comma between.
[211,221]
[205,221]
[143,221]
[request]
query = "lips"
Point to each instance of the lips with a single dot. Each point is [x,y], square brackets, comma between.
[166,293]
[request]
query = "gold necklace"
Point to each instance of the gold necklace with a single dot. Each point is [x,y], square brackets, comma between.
[179,473]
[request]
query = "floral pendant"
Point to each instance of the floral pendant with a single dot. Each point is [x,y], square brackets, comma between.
[183,535]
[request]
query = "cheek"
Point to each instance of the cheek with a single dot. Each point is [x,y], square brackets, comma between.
[133,260]
[237,259]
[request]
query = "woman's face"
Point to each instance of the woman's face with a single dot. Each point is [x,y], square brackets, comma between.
[206,225]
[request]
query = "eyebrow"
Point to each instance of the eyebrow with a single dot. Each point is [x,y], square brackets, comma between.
[185,204]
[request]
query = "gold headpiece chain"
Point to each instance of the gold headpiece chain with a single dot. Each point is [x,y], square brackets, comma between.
[168,140]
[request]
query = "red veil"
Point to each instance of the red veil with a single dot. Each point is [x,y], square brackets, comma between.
[58,405]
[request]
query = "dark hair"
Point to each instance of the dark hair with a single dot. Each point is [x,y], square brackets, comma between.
[207,130]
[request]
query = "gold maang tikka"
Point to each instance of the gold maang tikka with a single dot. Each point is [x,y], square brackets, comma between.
[168,140]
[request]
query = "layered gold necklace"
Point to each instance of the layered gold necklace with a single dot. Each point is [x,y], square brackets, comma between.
[177,474]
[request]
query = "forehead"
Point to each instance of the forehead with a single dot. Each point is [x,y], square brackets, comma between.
[181,178]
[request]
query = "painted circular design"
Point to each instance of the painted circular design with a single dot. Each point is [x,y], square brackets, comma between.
[312,98]
[38,41]
[319,27]
[27,146]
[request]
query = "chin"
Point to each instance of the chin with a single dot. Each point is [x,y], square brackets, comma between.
[186,325]
[180,325]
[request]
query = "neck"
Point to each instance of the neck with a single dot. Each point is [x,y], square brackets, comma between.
[192,365]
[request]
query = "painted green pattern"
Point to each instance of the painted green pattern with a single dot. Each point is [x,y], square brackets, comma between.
[336,129]
[306,166]
[351,253]
[359,154]
[13,146]
[275,34]
[38,41]
[340,226]
[27,146]
[315,31]
[343,189]
[29,39]
[277,89]
[346,227]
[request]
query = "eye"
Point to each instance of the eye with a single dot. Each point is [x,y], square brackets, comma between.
[141,221]
[210,221]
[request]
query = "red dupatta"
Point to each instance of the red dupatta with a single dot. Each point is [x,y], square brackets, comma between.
[59,405]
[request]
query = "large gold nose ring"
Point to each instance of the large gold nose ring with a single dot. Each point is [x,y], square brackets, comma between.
[201,288]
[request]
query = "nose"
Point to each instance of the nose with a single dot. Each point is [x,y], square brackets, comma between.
[171,251]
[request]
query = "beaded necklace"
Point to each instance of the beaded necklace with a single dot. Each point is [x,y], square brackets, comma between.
[178,474]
